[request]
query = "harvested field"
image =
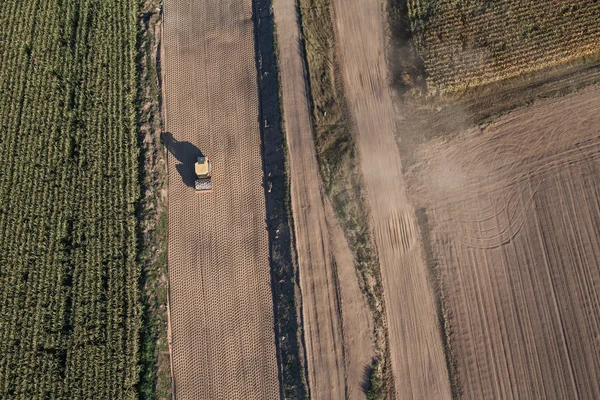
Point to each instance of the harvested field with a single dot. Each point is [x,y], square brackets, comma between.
[221,304]
[513,212]
[417,357]
[337,324]
[468,44]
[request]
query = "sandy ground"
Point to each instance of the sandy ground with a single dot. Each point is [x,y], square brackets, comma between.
[416,352]
[514,212]
[337,323]
[221,304]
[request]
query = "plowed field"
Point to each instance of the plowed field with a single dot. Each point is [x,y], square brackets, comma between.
[514,212]
[221,303]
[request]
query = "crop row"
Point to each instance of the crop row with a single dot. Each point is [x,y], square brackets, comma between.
[69,279]
[466,44]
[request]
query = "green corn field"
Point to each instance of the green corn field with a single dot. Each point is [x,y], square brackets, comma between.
[70,310]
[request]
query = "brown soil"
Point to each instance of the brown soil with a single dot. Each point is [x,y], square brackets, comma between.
[357,319]
[337,324]
[416,352]
[514,212]
[220,298]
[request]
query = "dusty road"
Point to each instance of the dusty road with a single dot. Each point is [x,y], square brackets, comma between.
[356,316]
[337,325]
[514,212]
[221,303]
[417,356]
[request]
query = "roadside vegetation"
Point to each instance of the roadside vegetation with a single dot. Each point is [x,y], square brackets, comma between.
[155,378]
[70,299]
[337,157]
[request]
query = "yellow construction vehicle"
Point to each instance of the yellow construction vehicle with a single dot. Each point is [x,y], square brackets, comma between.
[203,168]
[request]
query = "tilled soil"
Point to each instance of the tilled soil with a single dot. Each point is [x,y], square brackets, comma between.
[514,214]
[336,321]
[221,304]
[416,352]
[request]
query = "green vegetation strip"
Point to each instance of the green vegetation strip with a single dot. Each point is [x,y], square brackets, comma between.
[70,301]
[336,154]
[155,378]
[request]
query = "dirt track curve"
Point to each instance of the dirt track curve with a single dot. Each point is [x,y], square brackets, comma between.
[337,324]
[418,362]
[515,214]
[221,304]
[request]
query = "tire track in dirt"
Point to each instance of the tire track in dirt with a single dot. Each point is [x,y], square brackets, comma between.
[417,357]
[356,316]
[523,310]
[337,323]
[220,296]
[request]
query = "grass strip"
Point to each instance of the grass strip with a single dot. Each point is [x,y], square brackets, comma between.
[155,376]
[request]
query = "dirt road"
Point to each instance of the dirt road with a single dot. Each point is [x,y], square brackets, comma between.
[356,316]
[417,357]
[337,327]
[514,213]
[221,303]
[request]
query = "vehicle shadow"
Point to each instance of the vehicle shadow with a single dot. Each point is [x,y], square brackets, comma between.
[184,152]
